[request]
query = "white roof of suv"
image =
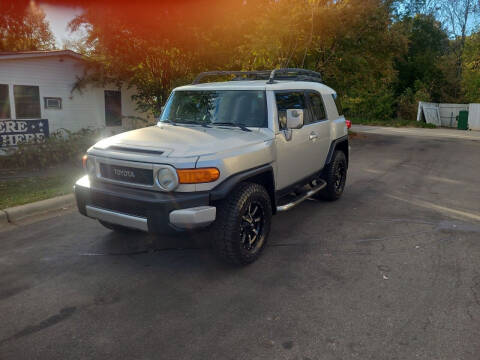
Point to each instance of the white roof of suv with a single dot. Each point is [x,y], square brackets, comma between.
[259,85]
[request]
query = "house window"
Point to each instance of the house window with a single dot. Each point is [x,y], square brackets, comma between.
[27,101]
[52,102]
[4,102]
[113,108]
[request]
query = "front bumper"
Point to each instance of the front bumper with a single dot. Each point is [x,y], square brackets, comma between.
[145,210]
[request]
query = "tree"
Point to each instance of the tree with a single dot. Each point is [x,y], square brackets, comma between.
[427,43]
[471,68]
[372,56]
[162,46]
[458,16]
[354,52]
[410,8]
[23,27]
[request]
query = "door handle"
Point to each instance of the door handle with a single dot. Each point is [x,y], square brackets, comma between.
[313,136]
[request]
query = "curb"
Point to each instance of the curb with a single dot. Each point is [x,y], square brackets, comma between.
[3,218]
[421,132]
[21,212]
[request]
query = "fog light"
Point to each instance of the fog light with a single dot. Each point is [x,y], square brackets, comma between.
[167,179]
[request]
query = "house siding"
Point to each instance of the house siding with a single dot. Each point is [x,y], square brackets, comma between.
[55,76]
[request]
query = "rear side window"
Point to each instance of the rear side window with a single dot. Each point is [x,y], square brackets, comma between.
[288,100]
[318,109]
[338,103]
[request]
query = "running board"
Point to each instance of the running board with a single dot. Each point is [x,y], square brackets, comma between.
[302,198]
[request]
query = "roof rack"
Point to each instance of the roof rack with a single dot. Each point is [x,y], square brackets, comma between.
[240,75]
[292,74]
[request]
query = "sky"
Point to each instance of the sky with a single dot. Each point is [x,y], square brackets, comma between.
[59,17]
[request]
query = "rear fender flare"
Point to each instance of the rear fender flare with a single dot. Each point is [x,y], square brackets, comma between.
[337,143]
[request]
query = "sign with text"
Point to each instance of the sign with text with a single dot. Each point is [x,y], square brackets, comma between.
[14,132]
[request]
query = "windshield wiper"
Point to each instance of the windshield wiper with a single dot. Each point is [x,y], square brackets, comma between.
[187,122]
[241,126]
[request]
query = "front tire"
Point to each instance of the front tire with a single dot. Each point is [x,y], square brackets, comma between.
[336,176]
[243,223]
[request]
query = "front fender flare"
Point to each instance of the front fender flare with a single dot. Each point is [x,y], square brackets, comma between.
[223,189]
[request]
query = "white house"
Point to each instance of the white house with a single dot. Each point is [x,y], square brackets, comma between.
[36,97]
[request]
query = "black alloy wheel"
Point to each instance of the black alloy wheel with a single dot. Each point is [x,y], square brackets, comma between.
[252,227]
[241,229]
[335,175]
[340,177]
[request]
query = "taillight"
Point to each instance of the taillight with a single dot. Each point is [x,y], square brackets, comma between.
[84,161]
[348,123]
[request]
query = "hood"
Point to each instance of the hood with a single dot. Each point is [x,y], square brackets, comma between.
[181,141]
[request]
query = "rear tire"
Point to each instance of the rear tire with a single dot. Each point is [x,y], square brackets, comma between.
[241,229]
[335,174]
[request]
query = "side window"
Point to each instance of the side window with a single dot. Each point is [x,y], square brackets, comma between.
[338,103]
[317,107]
[288,100]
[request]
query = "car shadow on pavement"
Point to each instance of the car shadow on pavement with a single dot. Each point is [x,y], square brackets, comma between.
[135,243]
[185,252]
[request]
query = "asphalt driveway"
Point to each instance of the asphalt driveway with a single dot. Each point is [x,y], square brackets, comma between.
[391,271]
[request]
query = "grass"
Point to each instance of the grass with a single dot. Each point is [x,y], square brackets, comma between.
[392,123]
[21,191]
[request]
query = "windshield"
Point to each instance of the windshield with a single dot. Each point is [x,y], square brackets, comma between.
[228,107]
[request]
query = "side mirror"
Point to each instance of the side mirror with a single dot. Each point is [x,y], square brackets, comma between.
[294,118]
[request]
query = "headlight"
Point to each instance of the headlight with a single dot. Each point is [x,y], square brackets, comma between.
[88,165]
[167,179]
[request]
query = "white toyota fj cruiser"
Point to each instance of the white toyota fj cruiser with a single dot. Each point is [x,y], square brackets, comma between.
[226,154]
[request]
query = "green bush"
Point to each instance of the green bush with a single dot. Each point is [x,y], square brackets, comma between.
[407,104]
[59,147]
[376,105]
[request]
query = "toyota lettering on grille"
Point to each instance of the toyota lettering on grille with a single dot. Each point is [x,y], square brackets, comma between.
[124,173]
